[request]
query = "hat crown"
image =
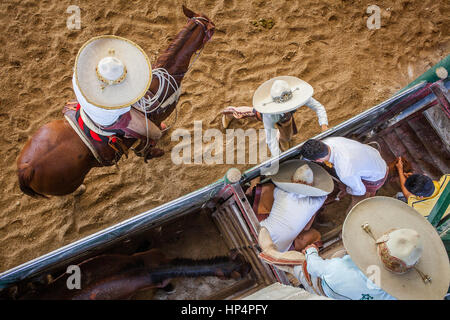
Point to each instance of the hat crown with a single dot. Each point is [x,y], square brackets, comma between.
[278,88]
[303,174]
[406,245]
[111,68]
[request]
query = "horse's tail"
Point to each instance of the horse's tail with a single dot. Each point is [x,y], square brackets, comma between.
[25,172]
[222,267]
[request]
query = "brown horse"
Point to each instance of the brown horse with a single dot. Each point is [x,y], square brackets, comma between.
[114,276]
[55,161]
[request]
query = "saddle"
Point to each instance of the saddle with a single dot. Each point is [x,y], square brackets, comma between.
[106,146]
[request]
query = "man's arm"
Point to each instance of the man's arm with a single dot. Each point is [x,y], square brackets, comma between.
[315,265]
[320,111]
[402,178]
[354,185]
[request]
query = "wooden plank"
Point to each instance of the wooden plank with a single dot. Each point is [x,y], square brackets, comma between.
[433,144]
[385,152]
[399,150]
[332,233]
[415,147]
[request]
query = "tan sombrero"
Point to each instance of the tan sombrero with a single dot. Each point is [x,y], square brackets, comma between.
[112,72]
[281,94]
[322,181]
[412,238]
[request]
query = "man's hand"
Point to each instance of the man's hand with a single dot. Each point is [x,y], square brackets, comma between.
[399,165]
[310,246]
[407,174]
[324,127]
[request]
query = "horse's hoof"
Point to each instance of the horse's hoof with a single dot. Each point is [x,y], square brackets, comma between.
[81,189]
[154,153]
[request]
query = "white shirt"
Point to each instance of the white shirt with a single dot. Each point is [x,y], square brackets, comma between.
[354,161]
[341,278]
[269,121]
[290,213]
[103,117]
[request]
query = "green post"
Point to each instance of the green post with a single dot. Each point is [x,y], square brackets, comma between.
[430,75]
[440,207]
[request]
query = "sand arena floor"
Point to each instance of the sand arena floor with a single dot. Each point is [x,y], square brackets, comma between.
[324,42]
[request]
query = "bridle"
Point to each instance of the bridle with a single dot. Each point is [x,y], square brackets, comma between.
[204,23]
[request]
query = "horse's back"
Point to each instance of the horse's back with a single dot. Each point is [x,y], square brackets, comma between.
[54,161]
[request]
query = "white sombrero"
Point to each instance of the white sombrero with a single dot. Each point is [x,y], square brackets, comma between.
[281,94]
[400,246]
[112,72]
[322,183]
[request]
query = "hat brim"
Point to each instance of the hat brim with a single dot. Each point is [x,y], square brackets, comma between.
[116,96]
[262,100]
[322,183]
[384,214]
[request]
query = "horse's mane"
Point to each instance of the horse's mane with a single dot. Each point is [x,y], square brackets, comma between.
[174,46]
[194,268]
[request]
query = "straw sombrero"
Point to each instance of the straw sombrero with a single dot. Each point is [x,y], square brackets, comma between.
[281,94]
[112,72]
[322,181]
[403,237]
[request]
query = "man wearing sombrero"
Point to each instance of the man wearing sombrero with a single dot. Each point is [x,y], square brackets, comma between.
[301,188]
[274,103]
[392,252]
[110,75]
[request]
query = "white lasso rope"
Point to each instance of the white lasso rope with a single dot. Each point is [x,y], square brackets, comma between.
[165,80]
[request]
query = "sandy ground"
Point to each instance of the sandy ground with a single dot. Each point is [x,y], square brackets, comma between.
[326,43]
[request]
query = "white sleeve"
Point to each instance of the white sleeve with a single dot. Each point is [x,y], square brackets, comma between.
[315,265]
[354,185]
[319,109]
[269,122]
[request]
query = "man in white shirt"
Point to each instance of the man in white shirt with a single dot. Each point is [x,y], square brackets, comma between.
[359,166]
[274,123]
[274,103]
[301,190]
[290,213]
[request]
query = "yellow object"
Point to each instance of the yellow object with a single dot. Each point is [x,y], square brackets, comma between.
[424,205]
[328,164]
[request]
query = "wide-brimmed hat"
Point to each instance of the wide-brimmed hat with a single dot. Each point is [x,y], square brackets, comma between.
[112,72]
[322,181]
[281,94]
[394,245]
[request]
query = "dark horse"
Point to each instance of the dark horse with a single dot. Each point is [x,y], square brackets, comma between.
[115,276]
[55,160]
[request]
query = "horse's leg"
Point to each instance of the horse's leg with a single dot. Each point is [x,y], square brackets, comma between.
[54,161]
